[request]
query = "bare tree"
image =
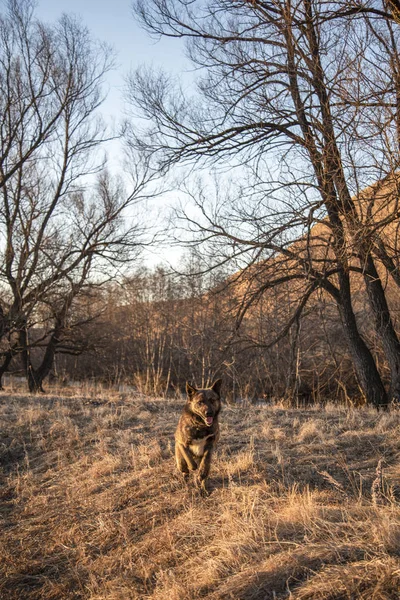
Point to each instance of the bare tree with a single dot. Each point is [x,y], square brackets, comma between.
[305,96]
[61,214]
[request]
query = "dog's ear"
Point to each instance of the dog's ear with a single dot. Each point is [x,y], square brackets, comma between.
[216,386]
[190,390]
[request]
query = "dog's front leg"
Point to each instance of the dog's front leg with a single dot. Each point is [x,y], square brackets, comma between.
[184,459]
[204,470]
[181,462]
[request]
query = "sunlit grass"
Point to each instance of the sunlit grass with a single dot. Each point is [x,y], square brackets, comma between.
[92,507]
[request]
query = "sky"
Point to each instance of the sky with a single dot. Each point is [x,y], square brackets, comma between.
[112,21]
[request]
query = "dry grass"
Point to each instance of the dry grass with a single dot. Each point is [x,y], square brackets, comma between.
[91,506]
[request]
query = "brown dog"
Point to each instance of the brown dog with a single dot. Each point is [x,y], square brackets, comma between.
[198,431]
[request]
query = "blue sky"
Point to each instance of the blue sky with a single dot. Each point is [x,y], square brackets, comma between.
[112,21]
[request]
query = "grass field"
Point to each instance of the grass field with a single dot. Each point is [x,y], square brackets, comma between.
[91,505]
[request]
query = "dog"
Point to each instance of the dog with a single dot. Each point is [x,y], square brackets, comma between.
[198,432]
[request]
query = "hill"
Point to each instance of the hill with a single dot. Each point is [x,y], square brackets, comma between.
[92,507]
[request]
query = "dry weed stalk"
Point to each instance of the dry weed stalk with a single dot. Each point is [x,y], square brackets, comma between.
[328,477]
[377,492]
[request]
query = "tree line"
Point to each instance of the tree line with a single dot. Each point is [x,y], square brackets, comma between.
[159,329]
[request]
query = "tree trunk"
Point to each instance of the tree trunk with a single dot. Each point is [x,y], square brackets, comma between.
[4,366]
[48,360]
[364,364]
[383,325]
[33,377]
[34,382]
[340,203]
